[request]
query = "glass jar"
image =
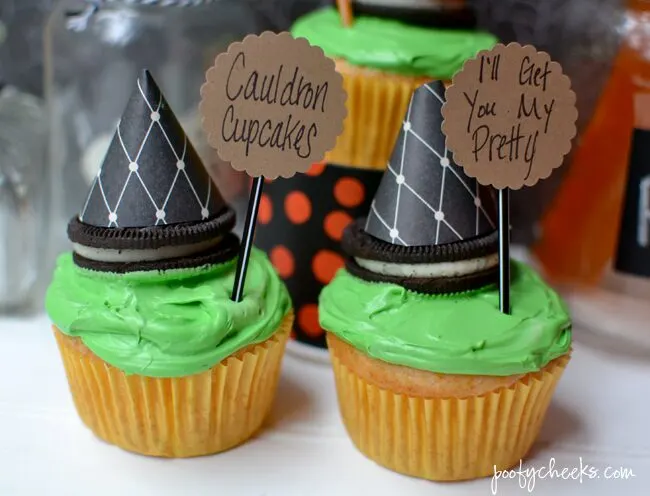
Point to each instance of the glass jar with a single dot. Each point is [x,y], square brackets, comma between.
[23,198]
[21,57]
[94,51]
[582,36]
[595,243]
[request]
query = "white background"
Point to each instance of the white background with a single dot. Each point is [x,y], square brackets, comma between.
[601,412]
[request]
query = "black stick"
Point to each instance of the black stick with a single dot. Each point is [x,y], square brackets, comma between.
[504,250]
[247,238]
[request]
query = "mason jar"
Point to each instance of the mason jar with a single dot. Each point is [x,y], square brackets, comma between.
[95,49]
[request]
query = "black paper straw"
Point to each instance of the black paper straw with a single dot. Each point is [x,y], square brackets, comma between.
[504,250]
[247,238]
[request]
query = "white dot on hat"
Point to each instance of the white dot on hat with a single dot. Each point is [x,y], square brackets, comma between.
[444,161]
[205,213]
[477,201]
[160,214]
[155,116]
[407,126]
[112,217]
[180,165]
[394,233]
[133,166]
[399,179]
[439,215]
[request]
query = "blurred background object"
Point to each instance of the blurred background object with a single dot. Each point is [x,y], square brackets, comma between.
[595,244]
[93,53]
[23,195]
[83,55]
[583,36]
[21,56]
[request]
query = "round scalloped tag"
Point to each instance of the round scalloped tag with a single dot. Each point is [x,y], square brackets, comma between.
[510,116]
[272,105]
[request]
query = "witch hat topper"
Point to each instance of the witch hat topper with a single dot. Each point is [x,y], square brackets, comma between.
[426,209]
[151,174]
[425,198]
[152,190]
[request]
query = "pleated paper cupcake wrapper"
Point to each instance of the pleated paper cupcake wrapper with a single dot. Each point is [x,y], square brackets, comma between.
[187,416]
[445,439]
[376,107]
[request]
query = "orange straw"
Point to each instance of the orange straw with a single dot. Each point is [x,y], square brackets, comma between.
[345,11]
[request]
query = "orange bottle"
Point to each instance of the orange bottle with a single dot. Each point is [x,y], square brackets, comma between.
[583,245]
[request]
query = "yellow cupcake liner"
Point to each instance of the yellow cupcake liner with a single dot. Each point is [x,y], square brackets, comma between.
[376,104]
[445,439]
[188,416]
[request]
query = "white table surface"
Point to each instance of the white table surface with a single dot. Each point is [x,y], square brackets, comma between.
[600,413]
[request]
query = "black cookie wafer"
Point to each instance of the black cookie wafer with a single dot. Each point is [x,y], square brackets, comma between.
[441,14]
[145,238]
[226,250]
[356,242]
[428,285]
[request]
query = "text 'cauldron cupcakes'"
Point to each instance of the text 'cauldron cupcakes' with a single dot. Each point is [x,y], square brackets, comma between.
[157,355]
[432,379]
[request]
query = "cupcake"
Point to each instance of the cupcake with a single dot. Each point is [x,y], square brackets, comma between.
[432,380]
[159,360]
[382,60]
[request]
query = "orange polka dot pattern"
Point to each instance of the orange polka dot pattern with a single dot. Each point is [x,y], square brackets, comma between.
[297,207]
[301,221]
[282,260]
[335,223]
[266,210]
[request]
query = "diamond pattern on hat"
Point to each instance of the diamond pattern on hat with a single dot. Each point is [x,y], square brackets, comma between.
[151,174]
[425,198]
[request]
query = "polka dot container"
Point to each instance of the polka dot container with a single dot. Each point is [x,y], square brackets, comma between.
[300,223]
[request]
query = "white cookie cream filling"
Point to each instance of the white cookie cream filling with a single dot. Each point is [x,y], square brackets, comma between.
[442,269]
[149,255]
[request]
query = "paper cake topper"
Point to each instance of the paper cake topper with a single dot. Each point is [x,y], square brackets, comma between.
[151,174]
[510,116]
[272,105]
[424,198]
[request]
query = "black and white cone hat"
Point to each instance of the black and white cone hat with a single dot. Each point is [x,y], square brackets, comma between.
[152,199]
[430,228]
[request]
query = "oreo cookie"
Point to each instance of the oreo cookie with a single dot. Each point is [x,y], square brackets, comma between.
[357,243]
[225,251]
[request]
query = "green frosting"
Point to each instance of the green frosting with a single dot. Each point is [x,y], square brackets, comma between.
[166,324]
[451,334]
[391,45]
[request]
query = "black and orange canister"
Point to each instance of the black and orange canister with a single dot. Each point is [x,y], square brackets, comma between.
[300,225]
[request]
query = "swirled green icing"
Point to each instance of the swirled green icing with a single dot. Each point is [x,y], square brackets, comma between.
[453,334]
[391,45]
[169,324]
